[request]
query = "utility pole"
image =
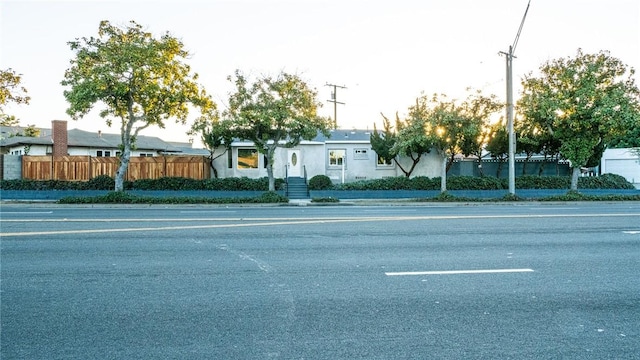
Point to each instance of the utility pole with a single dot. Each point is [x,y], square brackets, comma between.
[512,138]
[334,100]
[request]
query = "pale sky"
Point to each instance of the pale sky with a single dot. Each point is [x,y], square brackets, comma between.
[386,53]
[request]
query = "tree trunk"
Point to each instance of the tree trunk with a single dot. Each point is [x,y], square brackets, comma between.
[443,177]
[480,167]
[270,156]
[122,169]
[574,178]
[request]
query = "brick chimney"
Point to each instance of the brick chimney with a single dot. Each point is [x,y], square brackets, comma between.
[59,137]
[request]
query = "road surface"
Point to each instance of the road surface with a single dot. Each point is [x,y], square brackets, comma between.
[434,281]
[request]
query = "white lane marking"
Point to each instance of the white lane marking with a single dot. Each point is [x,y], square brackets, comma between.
[278,221]
[335,219]
[631,232]
[457,272]
[26,212]
[166,228]
[206,211]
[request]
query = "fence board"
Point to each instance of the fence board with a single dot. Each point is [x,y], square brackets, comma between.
[104,166]
[37,167]
[83,168]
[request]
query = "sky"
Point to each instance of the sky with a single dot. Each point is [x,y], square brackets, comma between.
[385,53]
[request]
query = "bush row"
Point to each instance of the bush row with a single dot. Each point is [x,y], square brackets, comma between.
[322,182]
[126,198]
[104,182]
[606,181]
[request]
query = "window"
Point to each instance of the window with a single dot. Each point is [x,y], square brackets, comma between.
[360,154]
[384,162]
[336,157]
[229,159]
[248,159]
[103,153]
[146,154]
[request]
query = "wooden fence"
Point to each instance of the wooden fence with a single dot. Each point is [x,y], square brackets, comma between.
[83,168]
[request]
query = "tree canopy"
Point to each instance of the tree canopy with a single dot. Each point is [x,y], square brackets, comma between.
[584,102]
[456,127]
[274,112]
[408,139]
[140,79]
[11,91]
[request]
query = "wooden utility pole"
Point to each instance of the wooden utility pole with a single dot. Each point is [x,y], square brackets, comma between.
[334,100]
[512,138]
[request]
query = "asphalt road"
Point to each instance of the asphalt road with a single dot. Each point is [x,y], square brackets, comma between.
[434,281]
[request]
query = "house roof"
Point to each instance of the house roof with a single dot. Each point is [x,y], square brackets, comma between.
[81,138]
[345,135]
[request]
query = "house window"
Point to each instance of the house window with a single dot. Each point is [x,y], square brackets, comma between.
[336,157]
[248,159]
[384,162]
[360,154]
[103,153]
[229,159]
[146,154]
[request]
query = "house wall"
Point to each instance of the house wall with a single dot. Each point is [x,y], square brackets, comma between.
[11,167]
[37,150]
[360,163]
[623,162]
[29,150]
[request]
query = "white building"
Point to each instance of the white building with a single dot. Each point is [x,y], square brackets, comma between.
[624,162]
[345,156]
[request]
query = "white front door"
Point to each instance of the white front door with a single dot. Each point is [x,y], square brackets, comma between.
[294,163]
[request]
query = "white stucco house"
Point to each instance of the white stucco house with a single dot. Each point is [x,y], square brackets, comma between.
[345,156]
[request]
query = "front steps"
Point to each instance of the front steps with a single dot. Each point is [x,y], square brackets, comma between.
[297,188]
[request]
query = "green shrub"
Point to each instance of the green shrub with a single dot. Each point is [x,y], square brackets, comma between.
[324,200]
[120,197]
[425,183]
[102,182]
[605,181]
[320,182]
[272,197]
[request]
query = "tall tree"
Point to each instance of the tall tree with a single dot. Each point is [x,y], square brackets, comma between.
[528,141]
[383,142]
[584,102]
[11,91]
[455,127]
[140,79]
[498,145]
[413,141]
[216,136]
[477,110]
[408,139]
[274,112]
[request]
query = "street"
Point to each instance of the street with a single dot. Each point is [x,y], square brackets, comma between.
[427,281]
